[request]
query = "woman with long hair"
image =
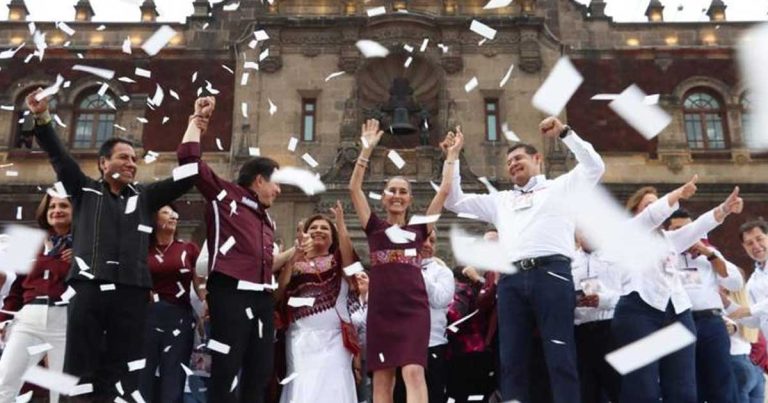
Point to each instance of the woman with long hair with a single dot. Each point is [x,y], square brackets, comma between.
[398,310]
[319,358]
[170,319]
[40,325]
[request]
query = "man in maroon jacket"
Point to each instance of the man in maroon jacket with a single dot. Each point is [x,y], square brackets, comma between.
[240,303]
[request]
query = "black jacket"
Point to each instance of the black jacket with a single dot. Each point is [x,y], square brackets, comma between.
[107,239]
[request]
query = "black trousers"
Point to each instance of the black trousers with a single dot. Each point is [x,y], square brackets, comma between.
[251,353]
[471,374]
[599,381]
[105,331]
[436,374]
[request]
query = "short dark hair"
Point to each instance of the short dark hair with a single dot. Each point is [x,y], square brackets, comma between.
[529,149]
[334,232]
[679,213]
[108,146]
[750,225]
[254,167]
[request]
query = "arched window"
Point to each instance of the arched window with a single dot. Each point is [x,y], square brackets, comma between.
[23,123]
[94,121]
[704,116]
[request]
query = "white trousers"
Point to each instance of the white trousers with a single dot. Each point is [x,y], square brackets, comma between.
[34,325]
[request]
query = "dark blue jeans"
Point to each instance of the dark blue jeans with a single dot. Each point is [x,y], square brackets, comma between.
[749,379]
[714,375]
[166,351]
[673,377]
[542,297]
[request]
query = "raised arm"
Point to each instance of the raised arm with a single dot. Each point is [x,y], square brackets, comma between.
[67,169]
[452,157]
[189,152]
[345,243]
[482,206]
[370,137]
[656,213]
[590,167]
[687,236]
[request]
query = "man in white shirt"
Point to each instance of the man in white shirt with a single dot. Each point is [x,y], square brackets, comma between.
[538,238]
[704,270]
[754,239]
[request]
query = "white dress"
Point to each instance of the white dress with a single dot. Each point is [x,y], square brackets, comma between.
[315,352]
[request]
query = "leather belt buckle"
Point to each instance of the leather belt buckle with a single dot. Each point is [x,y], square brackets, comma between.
[527,264]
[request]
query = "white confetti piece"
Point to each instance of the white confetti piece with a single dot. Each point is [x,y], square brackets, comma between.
[81,263]
[51,380]
[374,196]
[7,54]
[408,48]
[650,348]
[482,29]
[372,12]
[506,76]
[411,252]
[107,287]
[251,65]
[11,173]
[298,301]
[221,196]
[509,134]
[648,120]
[497,4]
[424,44]
[479,253]
[58,121]
[308,182]
[261,329]
[558,88]
[244,79]
[52,90]
[142,120]
[353,269]
[396,159]
[309,160]
[423,219]
[218,346]
[475,398]
[145,228]
[137,365]
[244,109]
[185,171]
[381,357]
[334,75]
[398,235]
[219,146]
[488,185]
[292,143]
[264,54]
[228,244]
[471,84]
[371,48]
[139,72]
[18,213]
[67,295]
[136,395]
[186,369]
[120,127]
[23,244]
[260,35]
[249,313]
[454,327]
[234,384]
[272,107]
[127,80]
[560,342]
[103,73]
[127,45]
[157,99]
[82,389]
[24,398]
[289,378]
[65,28]
[158,40]
[130,205]
[231,6]
[39,348]
[101,27]
[408,61]
[254,151]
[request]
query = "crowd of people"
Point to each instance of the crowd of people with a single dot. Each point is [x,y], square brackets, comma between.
[117,300]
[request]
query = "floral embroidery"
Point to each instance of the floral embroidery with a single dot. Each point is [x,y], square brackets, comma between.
[385,256]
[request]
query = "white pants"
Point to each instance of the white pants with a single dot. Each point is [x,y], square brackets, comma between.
[34,325]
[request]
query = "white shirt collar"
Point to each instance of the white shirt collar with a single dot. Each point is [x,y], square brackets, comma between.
[535,180]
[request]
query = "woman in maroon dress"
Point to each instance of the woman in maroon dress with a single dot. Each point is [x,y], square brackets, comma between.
[398,309]
[170,319]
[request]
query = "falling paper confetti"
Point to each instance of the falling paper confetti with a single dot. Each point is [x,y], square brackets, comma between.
[497,4]
[423,219]
[558,88]
[305,180]
[334,75]
[185,171]
[396,159]
[471,85]
[398,235]
[372,12]
[127,45]
[353,269]
[650,348]
[103,73]
[371,49]
[272,107]
[482,29]
[158,40]
[648,120]
[142,72]
[506,76]
[218,346]
[478,252]
[51,380]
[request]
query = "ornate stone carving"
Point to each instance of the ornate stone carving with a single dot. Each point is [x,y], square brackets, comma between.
[310,51]
[452,64]
[273,62]
[530,56]
[343,164]
[675,161]
[348,63]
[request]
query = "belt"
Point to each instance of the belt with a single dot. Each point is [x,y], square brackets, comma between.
[706,313]
[534,262]
[43,301]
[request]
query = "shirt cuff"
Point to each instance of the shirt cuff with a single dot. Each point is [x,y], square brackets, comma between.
[188,152]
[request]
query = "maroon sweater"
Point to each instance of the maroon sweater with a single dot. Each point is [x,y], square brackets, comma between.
[170,273]
[250,258]
[46,279]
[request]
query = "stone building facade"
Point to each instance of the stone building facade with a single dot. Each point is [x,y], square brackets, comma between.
[690,65]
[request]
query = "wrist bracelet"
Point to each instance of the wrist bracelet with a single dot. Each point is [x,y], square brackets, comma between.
[361,158]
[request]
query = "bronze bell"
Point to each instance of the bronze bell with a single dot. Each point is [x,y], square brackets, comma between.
[400,106]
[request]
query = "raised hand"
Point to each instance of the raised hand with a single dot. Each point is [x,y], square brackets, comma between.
[204,106]
[551,127]
[454,149]
[689,189]
[34,105]
[370,133]
[733,204]
[447,142]
[338,214]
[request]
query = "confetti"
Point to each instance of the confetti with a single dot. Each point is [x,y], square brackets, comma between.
[424,44]
[509,134]
[272,107]
[249,286]
[158,40]
[251,65]
[309,160]
[506,76]
[51,380]
[130,205]
[292,143]
[145,228]
[231,6]
[244,110]
[218,346]
[18,213]
[228,244]
[411,252]
[219,146]
[482,29]
[136,395]
[103,73]
[142,72]
[497,4]
[334,75]
[7,54]
[297,302]
[11,173]
[127,45]
[398,235]
[408,48]
[52,90]
[648,120]
[249,313]
[23,243]
[65,28]
[479,253]
[371,48]
[423,219]
[264,54]
[353,269]
[650,348]
[558,88]
[372,12]
[185,171]
[289,378]
[254,151]
[374,196]
[260,35]
[408,61]
[137,365]
[305,180]
[157,99]
[396,159]
[107,287]
[471,84]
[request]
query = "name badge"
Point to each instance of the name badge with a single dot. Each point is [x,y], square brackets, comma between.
[690,277]
[522,202]
[591,285]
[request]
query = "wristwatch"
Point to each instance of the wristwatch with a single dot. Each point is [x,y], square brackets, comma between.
[565,131]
